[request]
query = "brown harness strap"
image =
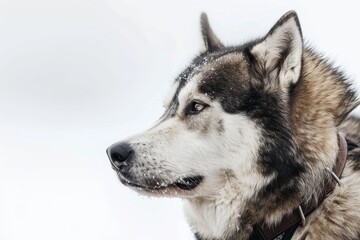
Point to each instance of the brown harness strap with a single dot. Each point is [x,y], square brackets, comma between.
[295,218]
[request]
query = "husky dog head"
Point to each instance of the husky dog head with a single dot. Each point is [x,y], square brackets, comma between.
[225,142]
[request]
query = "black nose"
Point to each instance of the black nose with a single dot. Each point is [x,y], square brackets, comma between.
[118,154]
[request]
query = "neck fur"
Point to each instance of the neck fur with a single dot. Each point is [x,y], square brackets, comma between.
[321,101]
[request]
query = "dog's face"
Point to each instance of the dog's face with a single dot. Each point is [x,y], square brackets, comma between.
[212,131]
[196,142]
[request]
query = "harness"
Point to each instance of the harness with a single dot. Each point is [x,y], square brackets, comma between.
[288,225]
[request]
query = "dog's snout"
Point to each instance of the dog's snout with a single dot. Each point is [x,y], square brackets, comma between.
[119,154]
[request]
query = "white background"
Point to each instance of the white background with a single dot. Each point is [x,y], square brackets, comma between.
[78,75]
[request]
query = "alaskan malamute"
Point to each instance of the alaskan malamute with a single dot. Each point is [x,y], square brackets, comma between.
[250,140]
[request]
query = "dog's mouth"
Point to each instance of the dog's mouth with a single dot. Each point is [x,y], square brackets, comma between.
[186,184]
[189,183]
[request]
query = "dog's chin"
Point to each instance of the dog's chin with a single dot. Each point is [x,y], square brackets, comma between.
[184,187]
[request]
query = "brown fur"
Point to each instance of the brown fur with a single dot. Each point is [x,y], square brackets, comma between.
[322,100]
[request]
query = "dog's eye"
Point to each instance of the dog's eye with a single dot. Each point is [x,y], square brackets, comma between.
[195,108]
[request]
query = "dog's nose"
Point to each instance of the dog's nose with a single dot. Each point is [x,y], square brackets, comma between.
[118,154]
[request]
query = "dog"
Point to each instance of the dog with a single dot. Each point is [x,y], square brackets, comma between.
[251,140]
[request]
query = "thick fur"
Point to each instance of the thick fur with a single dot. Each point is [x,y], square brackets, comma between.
[259,123]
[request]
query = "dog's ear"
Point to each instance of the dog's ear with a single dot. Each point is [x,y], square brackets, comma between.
[280,52]
[211,41]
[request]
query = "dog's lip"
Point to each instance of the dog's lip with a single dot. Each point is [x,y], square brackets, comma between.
[189,183]
[186,183]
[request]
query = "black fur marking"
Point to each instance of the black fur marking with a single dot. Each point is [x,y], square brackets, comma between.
[351,145]
[197,236]
[240,92]
[354,157]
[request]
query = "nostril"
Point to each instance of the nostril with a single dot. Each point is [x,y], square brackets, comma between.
[119,153]
[120,156]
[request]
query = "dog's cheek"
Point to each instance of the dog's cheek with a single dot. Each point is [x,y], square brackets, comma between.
[200,123]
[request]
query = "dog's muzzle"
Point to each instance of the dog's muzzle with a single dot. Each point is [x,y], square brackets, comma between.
[121,156]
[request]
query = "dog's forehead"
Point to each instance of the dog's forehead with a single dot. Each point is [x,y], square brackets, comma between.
[219,76]
[203,72]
